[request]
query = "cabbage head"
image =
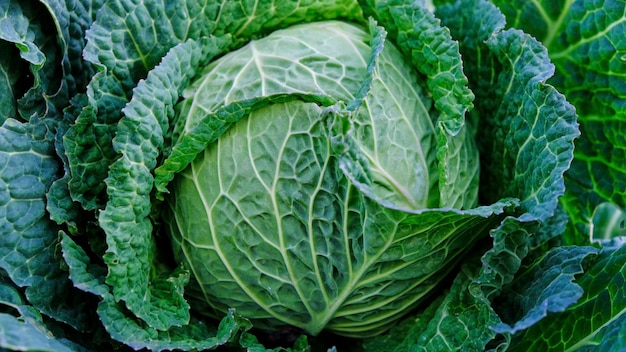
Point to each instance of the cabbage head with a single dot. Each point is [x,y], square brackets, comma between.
[337,202]
[366,175]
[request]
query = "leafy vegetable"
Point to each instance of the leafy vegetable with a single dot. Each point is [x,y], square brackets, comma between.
[301,216]
[586,324]
[314,175]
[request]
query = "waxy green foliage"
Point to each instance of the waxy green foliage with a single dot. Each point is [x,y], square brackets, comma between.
[585,40]
[376,175]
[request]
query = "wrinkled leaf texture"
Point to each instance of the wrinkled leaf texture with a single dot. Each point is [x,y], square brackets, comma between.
[507,70]
[596,321]
[91,144]
[43,70]
[586,42]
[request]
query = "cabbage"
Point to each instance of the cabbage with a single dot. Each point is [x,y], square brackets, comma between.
[378,175]
[326,210]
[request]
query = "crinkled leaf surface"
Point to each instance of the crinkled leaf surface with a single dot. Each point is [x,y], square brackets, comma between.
[545,285]
[135,333]
[125,219]
[586,42]
[534,124]
[29,238]
[596,320]
[26,331]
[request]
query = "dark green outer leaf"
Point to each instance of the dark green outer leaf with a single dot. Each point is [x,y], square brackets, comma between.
[541,19]
[27,331]
[585,40]
[72,18]
[533,124]
[539,125]
[543,286]
[597,174]
[596,321]
[29,238]
[69,19]
[589,51]
[135,333]
[125,219]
